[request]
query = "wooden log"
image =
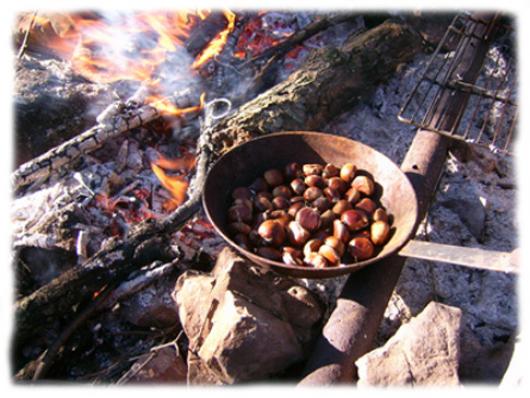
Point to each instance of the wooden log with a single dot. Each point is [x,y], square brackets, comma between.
[327,85]
[115,120]
[330,82]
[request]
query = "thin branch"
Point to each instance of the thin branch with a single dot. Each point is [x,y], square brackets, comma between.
[24,44]
[300,36]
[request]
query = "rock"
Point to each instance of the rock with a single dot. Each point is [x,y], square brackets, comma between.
[165,365]
[243,323]
[152,306]
[199,373]
[423,352]
[243,341]
[192,295]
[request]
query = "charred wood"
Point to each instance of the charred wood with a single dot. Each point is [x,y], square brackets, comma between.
[330,82]
[112,122]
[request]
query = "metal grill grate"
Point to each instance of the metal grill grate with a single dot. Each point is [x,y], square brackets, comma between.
[490,116]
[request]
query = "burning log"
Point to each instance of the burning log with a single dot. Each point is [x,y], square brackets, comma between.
[327,85]
[113,121]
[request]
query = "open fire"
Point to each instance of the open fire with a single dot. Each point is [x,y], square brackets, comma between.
[142,48]
[109,218]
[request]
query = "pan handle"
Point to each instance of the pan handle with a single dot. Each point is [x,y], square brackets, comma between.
[466,256]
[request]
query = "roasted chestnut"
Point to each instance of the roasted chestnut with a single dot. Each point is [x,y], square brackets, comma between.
[241,193]
[312,193]
[263,203]
[293,209]
[240,213]
[280,202]
[293,170]
[330,254]
[272,232]
[281,216]
[380,215]
[292,256]
[298,235]
[282,190]
[312,246]
[379,231]
[314,180]
[367,205]
[239,228]
[330,170]
[327,218]
[321,204]
[354,219]
[335,243]
[361,248]
[332,194]
[316,260]
[341,206]
[296,199]
[340,231]
[364,185]
[308,218]
[347,172]
[312,168]
[298,186]
[337,184]
[274,177]
[353,195]
[269,252]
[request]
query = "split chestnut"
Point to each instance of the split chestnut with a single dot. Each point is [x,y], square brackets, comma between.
[310,215]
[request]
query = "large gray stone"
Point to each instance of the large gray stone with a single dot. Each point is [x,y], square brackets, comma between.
[243,323]
[423,352]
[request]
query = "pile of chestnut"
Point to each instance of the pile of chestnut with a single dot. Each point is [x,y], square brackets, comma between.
[309,215]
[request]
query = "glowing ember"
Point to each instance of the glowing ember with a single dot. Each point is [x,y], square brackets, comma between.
[218,42]
[254,39]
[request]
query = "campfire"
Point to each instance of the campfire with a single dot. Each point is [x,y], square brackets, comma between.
[133,131]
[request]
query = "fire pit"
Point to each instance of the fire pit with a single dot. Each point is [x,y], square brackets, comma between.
[107,199]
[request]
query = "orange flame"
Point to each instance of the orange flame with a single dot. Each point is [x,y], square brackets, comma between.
[132,48]
[186,162]
[217,43]
[164,105]
[175,184]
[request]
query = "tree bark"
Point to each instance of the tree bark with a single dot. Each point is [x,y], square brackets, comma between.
[331,81]
[328,84]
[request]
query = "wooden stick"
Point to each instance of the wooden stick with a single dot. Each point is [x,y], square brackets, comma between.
[105,301]
[24,44]
[111,126]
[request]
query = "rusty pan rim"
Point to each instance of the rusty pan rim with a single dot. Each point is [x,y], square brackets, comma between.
[300,271]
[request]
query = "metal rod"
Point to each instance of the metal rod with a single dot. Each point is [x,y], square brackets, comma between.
[467,256]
